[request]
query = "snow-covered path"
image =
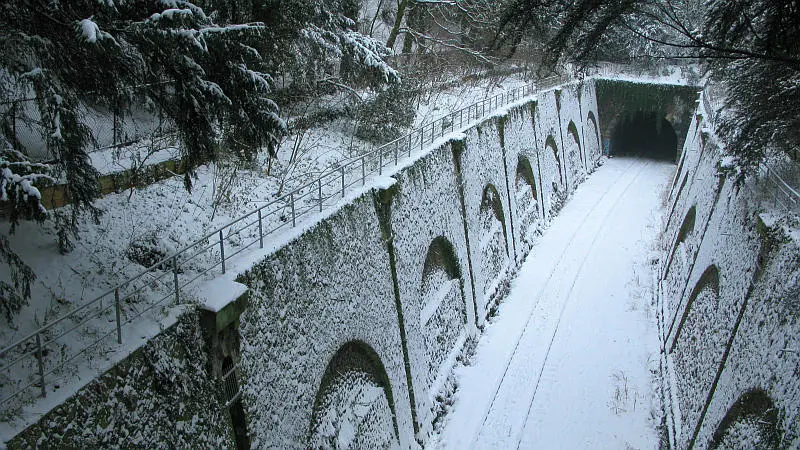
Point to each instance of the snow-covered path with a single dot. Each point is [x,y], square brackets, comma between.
[566,363]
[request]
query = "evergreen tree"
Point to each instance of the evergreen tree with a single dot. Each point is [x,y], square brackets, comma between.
[205,65]
[206,78]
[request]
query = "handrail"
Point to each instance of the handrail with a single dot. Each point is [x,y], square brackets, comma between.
[312,197]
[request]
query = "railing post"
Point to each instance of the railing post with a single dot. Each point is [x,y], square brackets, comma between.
[363,170]
[260,230]
[118,308]
[294,218]
[380,161]
[222,250]
[319,191]
[341,170]
[396,150]
[40,359]
[175,282]
[409,145]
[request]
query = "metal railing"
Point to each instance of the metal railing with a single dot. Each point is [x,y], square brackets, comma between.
[782,196]
[43,354]
[231,390]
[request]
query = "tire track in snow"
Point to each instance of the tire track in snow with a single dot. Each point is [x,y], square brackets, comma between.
[599,232]
[553,271]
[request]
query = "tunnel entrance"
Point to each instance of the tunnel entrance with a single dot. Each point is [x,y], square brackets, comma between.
[645,134]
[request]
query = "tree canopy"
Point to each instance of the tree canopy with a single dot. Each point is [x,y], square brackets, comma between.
[207,66]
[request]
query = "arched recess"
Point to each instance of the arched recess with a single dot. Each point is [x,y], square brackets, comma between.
[572,130]
[687,227]
[706,289]
[752,422]
[527,201]
[593,120]
[698,346]
[441,258]
[524,179]
[550,142]
[443,315]
[493,238]
[354,407]
[491,211]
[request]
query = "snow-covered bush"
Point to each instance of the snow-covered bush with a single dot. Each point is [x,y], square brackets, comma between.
[388,115]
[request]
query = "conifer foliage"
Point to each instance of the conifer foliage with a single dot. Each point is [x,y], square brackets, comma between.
[205,66]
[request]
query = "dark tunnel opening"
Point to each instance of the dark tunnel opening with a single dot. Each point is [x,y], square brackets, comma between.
[645,134]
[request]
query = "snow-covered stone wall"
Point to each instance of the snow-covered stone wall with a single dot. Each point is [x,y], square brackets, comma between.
[486,198]
[729,289]
[434,280]
[161,396]
[352,328]
[547,124]
[408,271]
[330,287]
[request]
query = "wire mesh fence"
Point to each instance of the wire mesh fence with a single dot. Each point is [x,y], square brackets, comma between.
[24,128]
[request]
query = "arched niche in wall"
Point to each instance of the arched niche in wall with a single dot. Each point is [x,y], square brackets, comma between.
[524,181]
[706,291]
[593,120]
[572,130]
[527,199]
[441,273]
[493,236]
[752,422]
[698,346]
[687,227]
[354,407]
[443,314]
[550,143]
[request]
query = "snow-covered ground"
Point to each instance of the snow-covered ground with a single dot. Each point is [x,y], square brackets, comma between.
[569,360]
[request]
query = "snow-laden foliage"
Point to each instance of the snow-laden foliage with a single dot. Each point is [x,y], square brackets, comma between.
[388,115]
[18,177]
[54,60]
[315,46]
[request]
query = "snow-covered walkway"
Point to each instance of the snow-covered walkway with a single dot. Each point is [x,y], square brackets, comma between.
[566,363]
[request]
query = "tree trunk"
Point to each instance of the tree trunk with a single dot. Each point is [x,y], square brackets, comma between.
[374,18]
[398,20]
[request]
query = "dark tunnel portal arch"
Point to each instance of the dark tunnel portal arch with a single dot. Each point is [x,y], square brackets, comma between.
[645,134]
